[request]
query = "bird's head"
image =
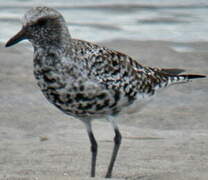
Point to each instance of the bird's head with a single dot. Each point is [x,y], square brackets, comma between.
[41,26]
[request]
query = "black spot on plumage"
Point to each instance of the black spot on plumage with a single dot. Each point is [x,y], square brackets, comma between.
[97,57]
[79,112]
[125,85]
[106,71]
[55,97]
[114,63]
[82,97]
[45,70]
[129,92]
[101,51]
[132,97]
[69,100]
[86,107]
[82,52]
[48,80]
[116,98]
[81,88]
[112,55]
[79,97]
[37,75]
[101,96]
[149,89]
[106,102]
[52,55]
[115,72]
[68,111]
[125,74]
[102,106]
[99,107]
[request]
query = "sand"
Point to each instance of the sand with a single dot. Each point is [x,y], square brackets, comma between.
[166,139]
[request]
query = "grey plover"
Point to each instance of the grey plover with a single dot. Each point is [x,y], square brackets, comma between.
[85,80]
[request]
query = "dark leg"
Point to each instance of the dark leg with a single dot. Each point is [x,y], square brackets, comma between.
[117,142]
[94,152]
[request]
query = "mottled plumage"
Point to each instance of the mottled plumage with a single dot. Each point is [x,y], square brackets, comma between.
[85,80]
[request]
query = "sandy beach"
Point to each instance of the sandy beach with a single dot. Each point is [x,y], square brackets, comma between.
[166,139]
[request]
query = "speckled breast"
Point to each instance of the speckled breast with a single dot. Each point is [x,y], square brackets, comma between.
[70,91]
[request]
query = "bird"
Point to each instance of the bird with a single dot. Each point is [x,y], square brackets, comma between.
[85,80]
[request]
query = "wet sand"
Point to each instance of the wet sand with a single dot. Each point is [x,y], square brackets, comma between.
[166,139]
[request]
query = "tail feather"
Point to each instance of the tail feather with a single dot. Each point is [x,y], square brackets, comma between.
[172,79]
[175,79]
[172,71]
[192,76]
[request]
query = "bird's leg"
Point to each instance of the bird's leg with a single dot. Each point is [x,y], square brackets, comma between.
[117,142]
[93,149]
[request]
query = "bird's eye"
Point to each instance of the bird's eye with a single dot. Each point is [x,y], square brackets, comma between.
[41,22]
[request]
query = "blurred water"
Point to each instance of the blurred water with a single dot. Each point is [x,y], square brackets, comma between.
[98,20]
